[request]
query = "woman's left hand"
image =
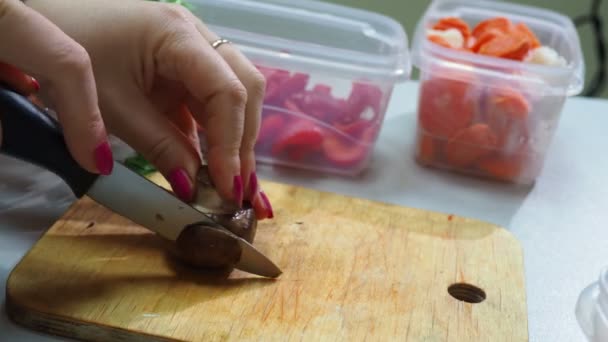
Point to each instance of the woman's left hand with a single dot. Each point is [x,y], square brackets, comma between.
[157,76]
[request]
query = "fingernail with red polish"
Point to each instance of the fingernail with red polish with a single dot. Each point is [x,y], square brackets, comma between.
[253,184]
[103,158]
[35,84]
[267,204]
[238,190]
[180,183]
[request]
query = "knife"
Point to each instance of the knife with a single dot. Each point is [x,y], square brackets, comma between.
[32,135]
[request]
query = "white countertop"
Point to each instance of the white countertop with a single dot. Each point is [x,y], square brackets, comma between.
[561,222]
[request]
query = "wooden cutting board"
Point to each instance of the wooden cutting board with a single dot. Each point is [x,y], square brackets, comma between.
[353,270]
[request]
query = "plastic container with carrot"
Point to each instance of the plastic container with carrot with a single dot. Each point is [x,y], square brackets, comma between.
[493,81]
[329,69]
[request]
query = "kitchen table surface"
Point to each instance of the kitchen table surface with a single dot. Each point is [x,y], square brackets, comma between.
[561,221]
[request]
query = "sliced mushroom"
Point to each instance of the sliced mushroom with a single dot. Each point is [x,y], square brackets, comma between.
[210,248]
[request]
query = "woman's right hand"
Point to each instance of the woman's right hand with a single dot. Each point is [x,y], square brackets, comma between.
[34,48]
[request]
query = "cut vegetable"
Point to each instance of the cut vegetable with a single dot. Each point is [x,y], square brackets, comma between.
[428,149]
[271,125]
[545,56]
[446,106]
[347,153]
[500,24]
[502,168]
[506,112]
[469,145]
[450,38]
[510,46]
[454,23]
[300,135]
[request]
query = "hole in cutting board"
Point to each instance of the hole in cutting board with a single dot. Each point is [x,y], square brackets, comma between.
[467,293]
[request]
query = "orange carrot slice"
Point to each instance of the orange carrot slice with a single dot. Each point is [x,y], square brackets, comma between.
[484,38]
[446,105]
[455,23]
[502,168]
[469,145]
[511,46]
[522,28]
[506,112]
[428,148]
[501,24]
[439,40]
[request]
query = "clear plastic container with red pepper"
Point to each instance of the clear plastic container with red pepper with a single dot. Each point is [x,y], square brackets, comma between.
[494,77]
[329,69]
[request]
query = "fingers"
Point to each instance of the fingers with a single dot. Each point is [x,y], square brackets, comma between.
[219,98]
[34,45]
[159,138]
[17,80]
[255,84]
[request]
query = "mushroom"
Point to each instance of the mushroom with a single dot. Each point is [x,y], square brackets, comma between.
[202,247]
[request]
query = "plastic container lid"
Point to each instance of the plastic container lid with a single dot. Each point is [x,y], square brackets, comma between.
[592,309]
[315,36]
[554,30]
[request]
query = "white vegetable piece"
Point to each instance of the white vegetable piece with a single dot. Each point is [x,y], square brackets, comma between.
[452,36]
[546,56]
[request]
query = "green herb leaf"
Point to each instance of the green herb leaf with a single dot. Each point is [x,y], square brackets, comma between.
[140,165]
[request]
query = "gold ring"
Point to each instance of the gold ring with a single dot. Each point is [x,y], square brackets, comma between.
[219,42]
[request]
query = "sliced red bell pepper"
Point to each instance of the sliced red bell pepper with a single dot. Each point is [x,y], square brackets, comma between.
[361,96]
[271,125]
[321,88]
[344,152]
[354,129]
[320,105]
[274,86]
[300,134]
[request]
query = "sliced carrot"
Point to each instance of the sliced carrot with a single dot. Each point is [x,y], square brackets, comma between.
[446,105]
[511,46]
[469,145]
[506,112]
[525,30]
[502,168]
[455,23]
[477,43]
[428,148]
[501,24]
[439,40]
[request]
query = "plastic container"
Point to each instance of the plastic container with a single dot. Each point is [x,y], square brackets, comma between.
[592,309]
[488,116]
[330,71]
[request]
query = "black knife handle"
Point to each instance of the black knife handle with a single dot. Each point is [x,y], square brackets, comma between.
[30,134]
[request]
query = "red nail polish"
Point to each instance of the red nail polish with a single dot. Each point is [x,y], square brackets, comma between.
[35,84]
[267,204]
[238,190]
[253,184]
[103,158]
[180,183]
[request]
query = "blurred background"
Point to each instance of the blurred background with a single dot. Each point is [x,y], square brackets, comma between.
[590,16]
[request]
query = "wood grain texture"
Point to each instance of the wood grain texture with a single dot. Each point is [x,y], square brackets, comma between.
[353,270]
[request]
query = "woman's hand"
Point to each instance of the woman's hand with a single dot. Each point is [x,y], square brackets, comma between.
[158,76]
[30,45]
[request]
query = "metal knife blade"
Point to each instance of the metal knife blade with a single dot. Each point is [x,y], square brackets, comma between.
[142,201]
[251,260]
